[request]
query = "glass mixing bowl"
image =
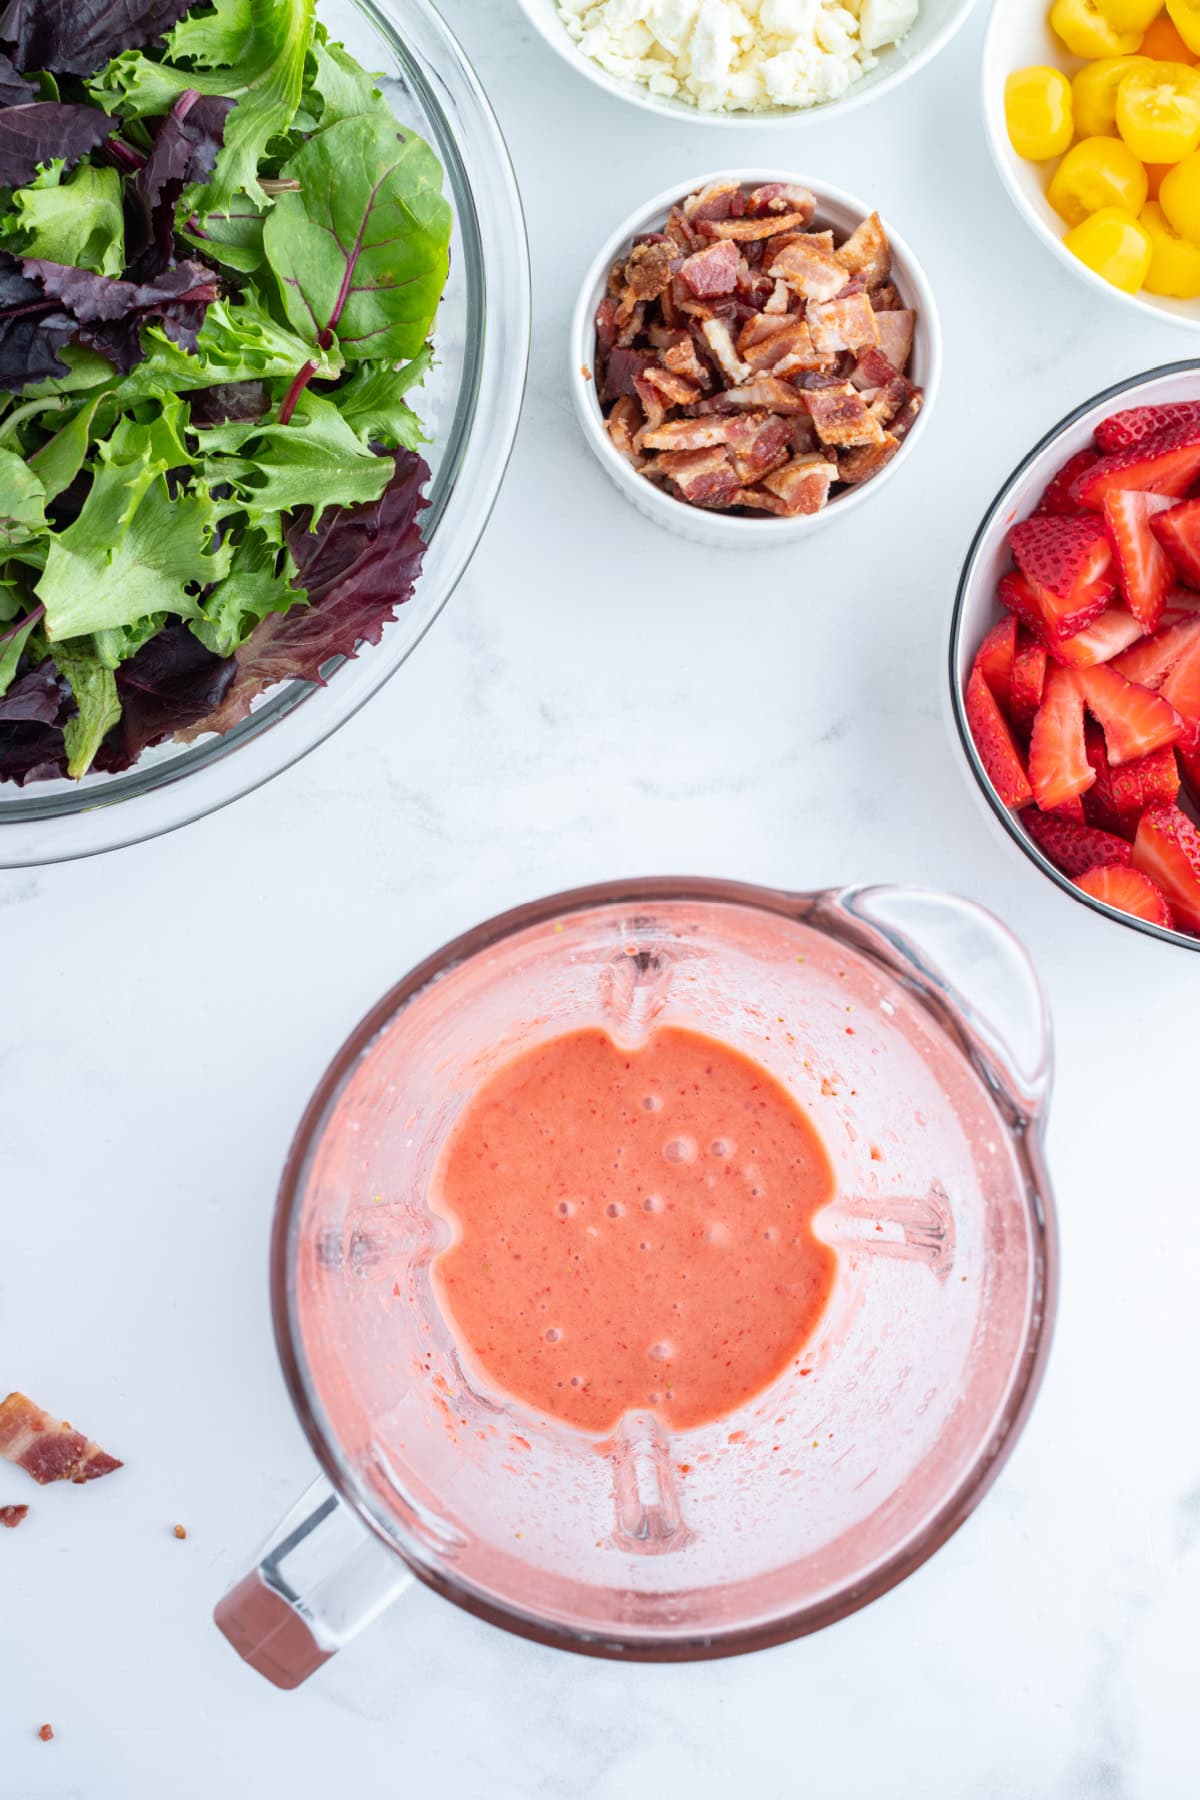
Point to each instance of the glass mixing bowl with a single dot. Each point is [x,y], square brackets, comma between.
[469,405]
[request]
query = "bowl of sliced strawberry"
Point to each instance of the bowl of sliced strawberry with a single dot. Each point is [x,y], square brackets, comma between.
[1075,654]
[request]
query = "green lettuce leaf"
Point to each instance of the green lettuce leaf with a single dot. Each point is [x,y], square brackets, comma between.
[12,645]
[372,403]
[250,591]
[362,249]
[58,461]
[234,238]
[22,502]
[95,691]
[85,369]
[78,220]
[134,550]
[338,87]
[251,51]
[315,460]
[238,341]
[117,643]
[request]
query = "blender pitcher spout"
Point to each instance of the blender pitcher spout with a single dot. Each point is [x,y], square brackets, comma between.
[969,970]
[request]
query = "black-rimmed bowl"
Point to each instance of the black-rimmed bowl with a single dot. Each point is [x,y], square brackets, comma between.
[977,608]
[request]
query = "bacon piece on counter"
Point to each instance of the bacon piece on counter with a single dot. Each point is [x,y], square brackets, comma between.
[48,1449]
[12,1516]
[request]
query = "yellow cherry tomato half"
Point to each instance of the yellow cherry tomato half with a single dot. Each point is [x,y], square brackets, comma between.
[1037,108]
[1085,31]
[1179,197]
[1174,268]
[1094,93]
[1162,43]
[1158,111]
[1113,245]
[1097,172]
[1185,16]
[1130,15]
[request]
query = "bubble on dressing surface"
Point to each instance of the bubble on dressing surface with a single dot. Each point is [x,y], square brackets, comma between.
[660,1352]
[652,1103]
[614,1210]
[565,1209]
[554,1335]
[722,1148]
[680,1150]
[653,1203]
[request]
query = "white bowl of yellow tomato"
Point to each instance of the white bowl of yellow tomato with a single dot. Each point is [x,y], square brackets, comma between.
[1093,115]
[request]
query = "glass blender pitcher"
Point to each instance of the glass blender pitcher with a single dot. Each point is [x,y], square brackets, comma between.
[911,1029]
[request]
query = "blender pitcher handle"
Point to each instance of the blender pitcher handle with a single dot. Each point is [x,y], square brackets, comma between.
[320,1581]
[971,969]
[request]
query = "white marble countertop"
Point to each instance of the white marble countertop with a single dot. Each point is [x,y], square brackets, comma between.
[598,700]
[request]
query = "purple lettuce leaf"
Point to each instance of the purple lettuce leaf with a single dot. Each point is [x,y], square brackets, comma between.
[77,37]
[169,684]
[31,753]
[35,698]
[14,91]
[230,402]
[360,564]
[185,150]
[33,329]
[110,313]
[37,132]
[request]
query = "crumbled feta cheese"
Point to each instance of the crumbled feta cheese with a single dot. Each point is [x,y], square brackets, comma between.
[739,55]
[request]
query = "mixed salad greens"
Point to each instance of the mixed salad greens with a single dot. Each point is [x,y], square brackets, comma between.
[220,261]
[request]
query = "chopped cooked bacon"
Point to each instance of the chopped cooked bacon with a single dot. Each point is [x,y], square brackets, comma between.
[623,424]
[809,270]
[719,200]
[857,466]
[704,477]
[757,443]
[648,270]
[676,390]
[606,327]
[841,416]
[873,370]
[46,1448]
[896,330]
[846,323]
[712,271]
[748,230]
[719,339]
[680,357]
[621,372]
[687,434]
[12,1516]
[803,484]
[866,252]
[763,394]
[745,361]
[781,197]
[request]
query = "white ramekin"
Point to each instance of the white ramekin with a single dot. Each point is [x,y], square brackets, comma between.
[720,530]
[1019,37]
[936,24]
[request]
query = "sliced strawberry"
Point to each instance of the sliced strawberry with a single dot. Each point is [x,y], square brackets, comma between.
[1129,891]
[1135,720]
[1178,531]
[1045,614]
[1058,764]
[1183,604]
[1028,678]
[1062,554]
[1074,848]
[1189,764]
[994,741]
[1144,569]
[1121,794]
[1071,810]
[1167,464]
[1126,430]
[1151,661]
[1108,634]
[1057,497]
[1181,689]
[994,659]
[1167,850]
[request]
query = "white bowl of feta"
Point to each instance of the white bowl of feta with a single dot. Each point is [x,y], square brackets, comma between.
[747,62]
[836,210]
